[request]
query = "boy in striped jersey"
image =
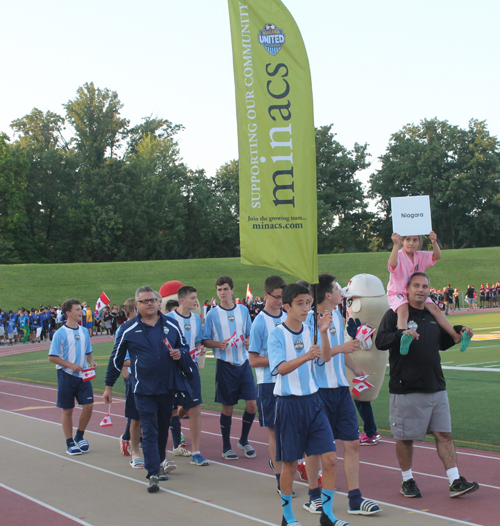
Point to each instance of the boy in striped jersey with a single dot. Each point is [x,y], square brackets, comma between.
[334,391]
[301,422]
[71,351]
[264,323]
[226,331]
[190,324]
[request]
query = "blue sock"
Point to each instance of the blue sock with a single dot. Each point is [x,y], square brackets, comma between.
[175,426]
[70,442]
[225,429]
[314,494]
[246,424]
[79,435]
[355,499]
[286,502]
[126,433]
[328,504]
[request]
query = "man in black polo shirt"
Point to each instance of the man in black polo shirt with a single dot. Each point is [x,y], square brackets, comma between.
[419,402]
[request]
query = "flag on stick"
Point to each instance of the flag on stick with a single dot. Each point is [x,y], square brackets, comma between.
[249,294]
[87,374]
[102,302]
[106,421]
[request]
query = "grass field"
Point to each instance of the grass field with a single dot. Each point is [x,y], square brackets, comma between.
[33,285]
[473,394]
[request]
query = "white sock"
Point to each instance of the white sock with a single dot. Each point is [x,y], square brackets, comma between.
[407,475]
[452,474]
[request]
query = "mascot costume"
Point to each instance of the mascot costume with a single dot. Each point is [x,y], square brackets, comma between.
[366,304]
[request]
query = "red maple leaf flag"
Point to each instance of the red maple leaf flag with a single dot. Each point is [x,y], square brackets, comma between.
[102,302]
[362,386]
[364,332]
[87,374]
[249,294]
[106,421]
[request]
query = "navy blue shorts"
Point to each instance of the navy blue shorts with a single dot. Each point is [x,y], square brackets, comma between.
[301,426]
[266,404]
[70,387]
[341,413]
[130,409]
[186,402]
[233,383]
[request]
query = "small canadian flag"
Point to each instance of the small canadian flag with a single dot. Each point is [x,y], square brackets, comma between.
[87,374]
[106,421]
[167,343]
[234,340]
[213,302]
[102,302]
[249,294]
[195,353]
[362,386]
[364,332]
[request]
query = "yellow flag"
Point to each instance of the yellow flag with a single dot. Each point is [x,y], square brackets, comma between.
[277,156]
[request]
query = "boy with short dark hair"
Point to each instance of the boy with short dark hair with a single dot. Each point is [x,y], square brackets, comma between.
[71,351]
[301,421]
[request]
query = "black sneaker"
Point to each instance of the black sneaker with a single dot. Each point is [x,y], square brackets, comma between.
[154,484]
[162,475]
[461,486]
[410,489]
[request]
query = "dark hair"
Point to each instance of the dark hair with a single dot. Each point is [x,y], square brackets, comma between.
[273,283]
[325,285]
[67,305]
[223,280]
[171,304]
[305,284]
[418,274]
[290,292]
[185,291]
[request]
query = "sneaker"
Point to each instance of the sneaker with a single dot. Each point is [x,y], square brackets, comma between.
[162,475]
[377,436]
[367,507]
[248,450]
[182,451]
[365,440]
[314,506]
[125,447]
[326,521]
[301,470]
[137,463]
[461,486]
[154,484]
[73,450]
[198,460]
[169,466]
[410,489]
[230,455]
[83,445]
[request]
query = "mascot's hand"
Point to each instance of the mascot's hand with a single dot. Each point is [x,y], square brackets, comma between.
[367,344]
[352,327]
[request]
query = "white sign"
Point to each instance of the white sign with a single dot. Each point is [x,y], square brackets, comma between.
[411,216]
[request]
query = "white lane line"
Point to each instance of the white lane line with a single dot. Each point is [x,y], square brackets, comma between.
[108,472]
[460,368]
[476,363]
[45,505]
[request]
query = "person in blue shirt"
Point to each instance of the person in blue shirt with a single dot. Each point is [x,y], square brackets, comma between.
[71,351]
[11,327]
[301,423]
[2,327]
[226,331]
[160,363]
[266,321]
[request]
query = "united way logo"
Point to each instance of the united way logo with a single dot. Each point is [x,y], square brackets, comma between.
[230,317]
[298,345]
[187,327]
[272,38]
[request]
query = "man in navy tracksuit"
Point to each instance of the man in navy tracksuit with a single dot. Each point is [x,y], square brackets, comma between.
[160,363]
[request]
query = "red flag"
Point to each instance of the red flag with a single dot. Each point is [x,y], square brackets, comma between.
[233,341]
[362,386]
[87,374]
[195,353]
[364,332]
[106,421]
[214,303]
[249,294]
[102,302]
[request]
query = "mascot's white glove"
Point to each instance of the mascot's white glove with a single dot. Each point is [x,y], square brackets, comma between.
[366,344]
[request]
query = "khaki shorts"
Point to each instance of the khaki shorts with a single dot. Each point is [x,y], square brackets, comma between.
[414,415]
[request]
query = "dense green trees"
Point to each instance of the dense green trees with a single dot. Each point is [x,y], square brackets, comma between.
[87,186]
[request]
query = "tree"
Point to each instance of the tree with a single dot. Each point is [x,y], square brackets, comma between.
[457,168]
[95,116]
[158,128]
[343,221]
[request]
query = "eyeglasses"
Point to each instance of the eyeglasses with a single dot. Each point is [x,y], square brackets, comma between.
[148,301]
[275,297]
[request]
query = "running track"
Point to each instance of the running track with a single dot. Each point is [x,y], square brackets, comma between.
[27,406]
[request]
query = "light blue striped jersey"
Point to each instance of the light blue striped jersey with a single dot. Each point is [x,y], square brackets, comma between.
[221,324]
[262,325]
[283,346]
[71,345]
[332,373]
[190,327]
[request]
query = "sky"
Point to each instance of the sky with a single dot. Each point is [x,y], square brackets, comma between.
[375,65]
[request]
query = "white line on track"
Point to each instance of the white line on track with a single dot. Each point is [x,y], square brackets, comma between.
[452,520]
[462,368]
[48,506]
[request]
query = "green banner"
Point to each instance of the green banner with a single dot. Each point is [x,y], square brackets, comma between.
[277,156]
